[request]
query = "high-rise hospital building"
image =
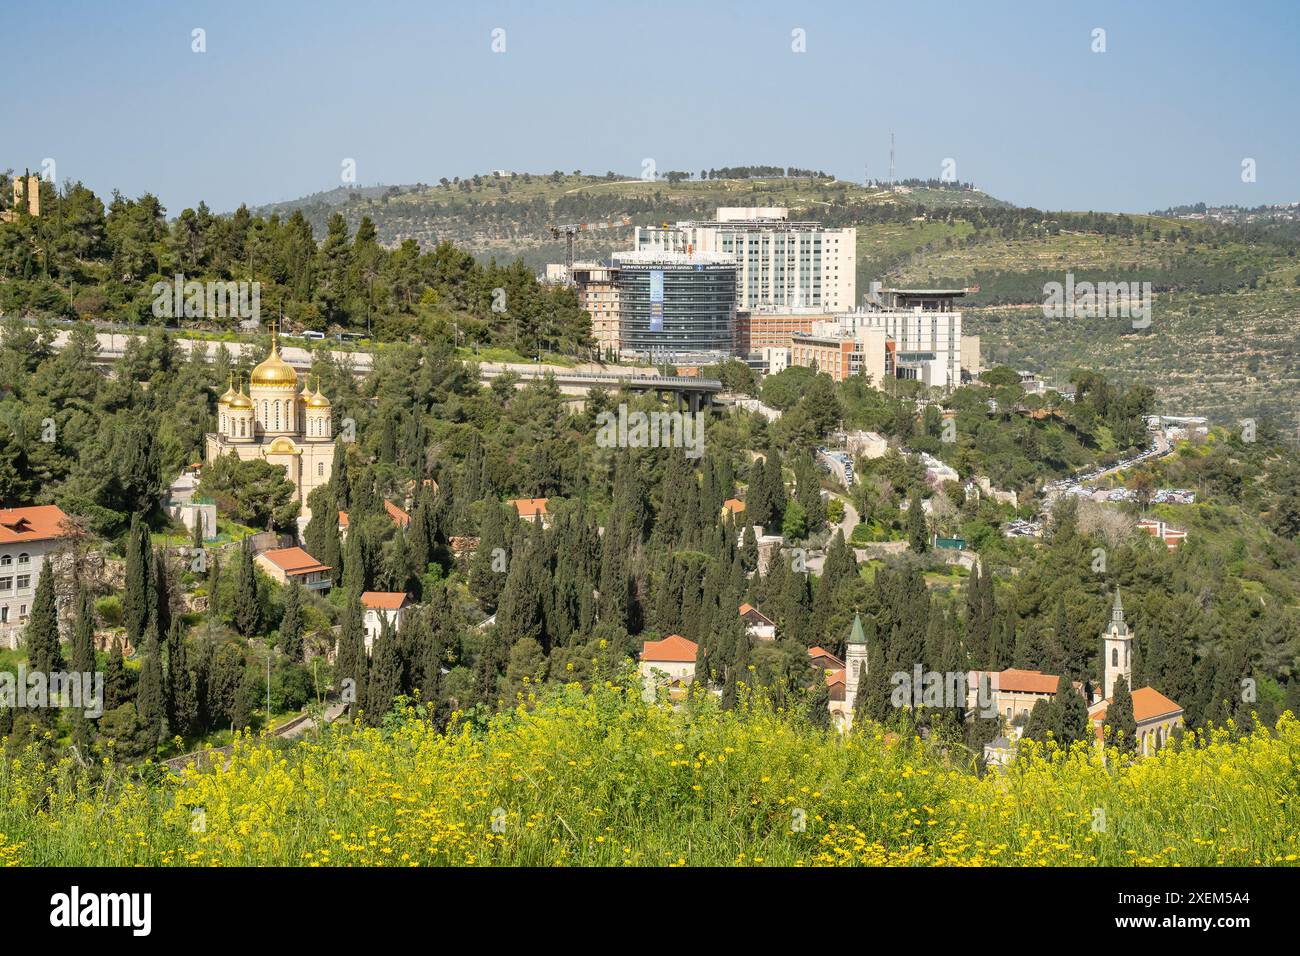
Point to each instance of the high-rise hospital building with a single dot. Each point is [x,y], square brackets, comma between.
[780,264]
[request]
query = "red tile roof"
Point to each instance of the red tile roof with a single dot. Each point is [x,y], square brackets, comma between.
[1027,682]
[1148,704]
[294,561]
[734,505]
[529,507]
[384,600]
[754,615]
[674,648]
[834,677]
[400,517]
[35,523]
[816,652]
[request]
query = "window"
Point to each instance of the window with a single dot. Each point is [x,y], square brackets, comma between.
[24,582]
[24,558]
[6,584]
[320,469]
[6,561]
[1114,657]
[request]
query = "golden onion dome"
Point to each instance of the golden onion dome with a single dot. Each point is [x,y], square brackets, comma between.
[229,393]
[316,399]
[274,372]
[240,400]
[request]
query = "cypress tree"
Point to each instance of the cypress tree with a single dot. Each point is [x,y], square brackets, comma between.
[877,688]
[117,689]
[248,609]
[487,573]
[42,633]
[1073,713]
[819,703]
[917,537]
[83,661]
[1119,719]
[291,625]
[182,695]
[351,663]
[149,693]
[384,681]
[161,608]
[136,601]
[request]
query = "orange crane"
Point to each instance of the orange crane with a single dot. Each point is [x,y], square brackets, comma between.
[571,229]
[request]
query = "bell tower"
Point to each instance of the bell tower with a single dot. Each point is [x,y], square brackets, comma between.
[855,658]
[1116,649]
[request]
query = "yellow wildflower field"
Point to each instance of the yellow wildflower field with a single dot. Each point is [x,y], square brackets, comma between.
[596,777]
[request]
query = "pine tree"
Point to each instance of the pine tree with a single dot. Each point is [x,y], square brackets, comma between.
[149,693]
[42,634]
[248,609]
[1120,724]
[291,624]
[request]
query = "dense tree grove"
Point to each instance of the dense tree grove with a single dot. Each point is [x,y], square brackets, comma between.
[82,259]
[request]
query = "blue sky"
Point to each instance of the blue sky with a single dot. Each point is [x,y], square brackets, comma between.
[412,91]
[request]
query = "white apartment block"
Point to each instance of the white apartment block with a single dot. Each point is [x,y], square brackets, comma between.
[923,325]
[27,536]
[781,264]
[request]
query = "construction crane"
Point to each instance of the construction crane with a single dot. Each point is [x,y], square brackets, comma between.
[570,230]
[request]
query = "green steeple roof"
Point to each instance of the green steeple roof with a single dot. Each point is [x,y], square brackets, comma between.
[857,637]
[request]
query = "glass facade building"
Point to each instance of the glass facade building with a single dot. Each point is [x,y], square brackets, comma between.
[676,303]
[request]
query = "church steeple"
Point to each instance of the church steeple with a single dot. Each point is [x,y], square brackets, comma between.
[1116,649]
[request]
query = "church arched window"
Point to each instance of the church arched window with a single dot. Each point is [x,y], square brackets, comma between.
[277,416]
[223,423]
[1114,657]
[320,469]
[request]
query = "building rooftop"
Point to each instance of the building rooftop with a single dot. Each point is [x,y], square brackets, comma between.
[385,600]
[672,649]
[34,523]
[294,561]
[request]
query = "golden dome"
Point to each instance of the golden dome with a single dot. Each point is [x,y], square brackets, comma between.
[229,393]
[283,446]
[274,372]
[318,400]
[240,400]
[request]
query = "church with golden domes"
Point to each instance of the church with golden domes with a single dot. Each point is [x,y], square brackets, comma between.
[275,421]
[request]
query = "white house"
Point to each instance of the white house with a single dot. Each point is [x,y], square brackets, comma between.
[383,606]
[757,624]
[27,535]
[670,662]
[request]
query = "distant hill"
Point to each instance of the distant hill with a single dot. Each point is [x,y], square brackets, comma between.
[508,216]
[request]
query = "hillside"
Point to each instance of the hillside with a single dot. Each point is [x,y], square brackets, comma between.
[508,217]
